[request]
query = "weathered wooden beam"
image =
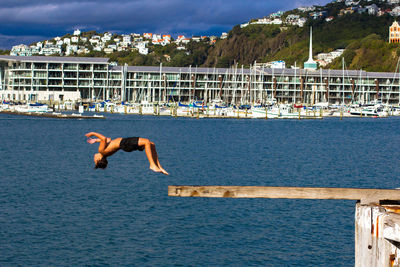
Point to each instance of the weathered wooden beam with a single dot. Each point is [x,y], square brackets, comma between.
[391,229]
[366,196]
[377,235]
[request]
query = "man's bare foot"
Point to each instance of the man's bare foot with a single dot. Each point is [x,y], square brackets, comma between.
[155,169]
[164,171]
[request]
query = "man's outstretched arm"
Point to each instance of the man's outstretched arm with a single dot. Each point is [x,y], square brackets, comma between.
[101,139]
[100,136]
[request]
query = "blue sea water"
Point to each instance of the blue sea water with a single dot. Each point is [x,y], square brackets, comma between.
[55,209]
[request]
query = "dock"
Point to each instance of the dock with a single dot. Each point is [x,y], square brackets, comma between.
[377,213]
[55,115]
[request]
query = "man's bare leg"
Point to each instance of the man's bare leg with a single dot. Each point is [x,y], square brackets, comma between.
[147,148]
[155,157]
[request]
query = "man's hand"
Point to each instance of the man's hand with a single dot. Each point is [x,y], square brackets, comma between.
[93,140]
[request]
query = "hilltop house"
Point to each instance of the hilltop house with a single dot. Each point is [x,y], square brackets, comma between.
[196,38]
[66,41]
[318,15]
[351,3]
[148,35]
[20,50]
[50,49]
[328,19]
[295,20]
[142,49]
[126,39]
[268,21]
[395,11]
[74,39]
[167,38]
[60,42]
[306,9]
[372,9]
[180,38]
[394,33]
[185,41]
[156,37]
[71,49]
[108,50]
[95,39]
[326,58]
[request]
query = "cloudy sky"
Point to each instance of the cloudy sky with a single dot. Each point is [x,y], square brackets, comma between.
[27,21]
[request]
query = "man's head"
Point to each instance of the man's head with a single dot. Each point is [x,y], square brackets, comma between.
[100,161]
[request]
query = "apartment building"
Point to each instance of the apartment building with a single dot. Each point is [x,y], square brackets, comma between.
[39,78]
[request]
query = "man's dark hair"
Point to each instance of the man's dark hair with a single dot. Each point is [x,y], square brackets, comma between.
[102,164]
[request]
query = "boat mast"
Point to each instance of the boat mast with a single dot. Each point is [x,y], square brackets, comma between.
[343,80]
[295,83]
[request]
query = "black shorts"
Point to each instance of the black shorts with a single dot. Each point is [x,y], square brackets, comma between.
[130,144]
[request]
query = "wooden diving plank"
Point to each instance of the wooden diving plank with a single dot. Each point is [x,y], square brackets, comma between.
[366,196]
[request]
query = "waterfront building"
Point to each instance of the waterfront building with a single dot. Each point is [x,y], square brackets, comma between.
[394,33]
[39,78]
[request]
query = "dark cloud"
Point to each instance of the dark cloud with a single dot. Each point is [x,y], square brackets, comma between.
[51,18]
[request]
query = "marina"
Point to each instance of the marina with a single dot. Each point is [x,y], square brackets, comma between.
[273,112]
[60,79]
[256,92]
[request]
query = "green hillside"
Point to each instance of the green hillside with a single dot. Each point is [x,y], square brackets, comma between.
[365,38]
[359,34]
